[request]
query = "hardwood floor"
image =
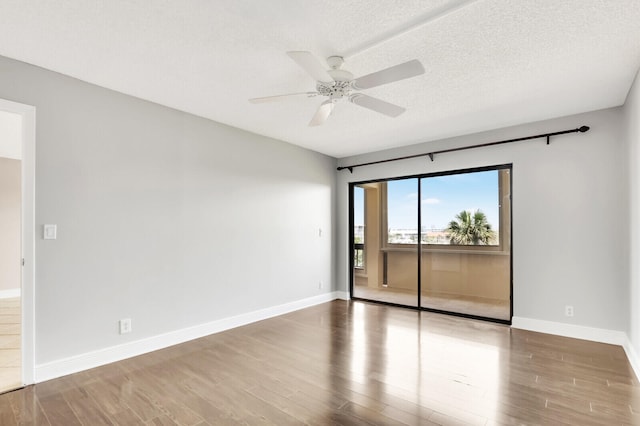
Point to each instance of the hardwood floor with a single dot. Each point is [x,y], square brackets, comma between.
[348,363]
[10,364]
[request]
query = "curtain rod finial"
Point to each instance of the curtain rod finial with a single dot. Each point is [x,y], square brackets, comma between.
[583,129]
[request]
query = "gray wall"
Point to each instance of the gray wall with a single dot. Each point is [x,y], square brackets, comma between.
[632,128]
[10,207]
[166,218]
[569,213]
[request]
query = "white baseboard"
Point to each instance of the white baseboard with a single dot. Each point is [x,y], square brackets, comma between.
[632,355]
[74,364]
[342,295]
[10,294]
[601,335]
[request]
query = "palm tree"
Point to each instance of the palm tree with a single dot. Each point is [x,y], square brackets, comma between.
[470,228]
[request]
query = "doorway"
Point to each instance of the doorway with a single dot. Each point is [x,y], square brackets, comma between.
[17,143]
[439,242]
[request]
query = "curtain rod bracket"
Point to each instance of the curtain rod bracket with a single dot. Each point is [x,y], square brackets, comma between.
[430,156]
[350,169]
[548,139]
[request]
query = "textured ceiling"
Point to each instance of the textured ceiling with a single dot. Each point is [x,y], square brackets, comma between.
[489,63]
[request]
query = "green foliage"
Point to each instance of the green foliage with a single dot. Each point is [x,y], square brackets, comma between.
[470,228]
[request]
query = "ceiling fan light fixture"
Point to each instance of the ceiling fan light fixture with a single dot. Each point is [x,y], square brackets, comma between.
[337,89]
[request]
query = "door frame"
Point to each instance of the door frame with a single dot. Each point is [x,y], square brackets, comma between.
[27,292]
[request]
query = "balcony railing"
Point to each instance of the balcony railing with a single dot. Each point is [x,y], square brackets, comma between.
[358,256]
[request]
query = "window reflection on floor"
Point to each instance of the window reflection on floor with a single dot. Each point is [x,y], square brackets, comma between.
[359,359]
[404,355]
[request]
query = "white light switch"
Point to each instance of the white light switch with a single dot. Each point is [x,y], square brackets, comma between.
[50,232]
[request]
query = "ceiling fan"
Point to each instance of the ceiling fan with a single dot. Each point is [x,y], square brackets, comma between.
[337,84]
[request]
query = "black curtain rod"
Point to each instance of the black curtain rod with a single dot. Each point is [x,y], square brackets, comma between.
[462,148]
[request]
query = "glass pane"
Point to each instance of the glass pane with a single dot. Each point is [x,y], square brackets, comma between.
[461,209]
[466,253]
[389,235]
[402,211]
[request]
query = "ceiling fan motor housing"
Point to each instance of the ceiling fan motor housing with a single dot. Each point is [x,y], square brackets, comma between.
[341,85]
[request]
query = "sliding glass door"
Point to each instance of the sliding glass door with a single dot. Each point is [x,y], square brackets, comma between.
[466,243]
[441,242]
[385,241]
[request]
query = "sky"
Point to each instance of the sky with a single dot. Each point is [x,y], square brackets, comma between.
[443,197]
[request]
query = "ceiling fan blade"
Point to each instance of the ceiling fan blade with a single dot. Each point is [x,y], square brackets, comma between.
[311,65]
[389,75]
[281,97]
[322,113]
[376,105]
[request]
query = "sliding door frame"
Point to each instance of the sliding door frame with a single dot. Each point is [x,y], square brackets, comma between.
[419,177]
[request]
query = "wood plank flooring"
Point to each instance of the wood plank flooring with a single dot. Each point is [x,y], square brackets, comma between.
[348,363]
[10,342]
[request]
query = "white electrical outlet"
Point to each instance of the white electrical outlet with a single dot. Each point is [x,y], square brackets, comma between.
[568,311]
[125,325]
